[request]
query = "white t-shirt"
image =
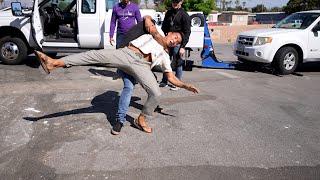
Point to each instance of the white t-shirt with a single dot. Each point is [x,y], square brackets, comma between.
[148,45]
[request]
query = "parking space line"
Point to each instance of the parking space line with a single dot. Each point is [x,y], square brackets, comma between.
[228,75]
[205,70]
[105,78]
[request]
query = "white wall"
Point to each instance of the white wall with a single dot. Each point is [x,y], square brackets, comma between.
[213,17]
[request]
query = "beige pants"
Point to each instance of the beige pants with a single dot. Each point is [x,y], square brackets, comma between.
[127,61]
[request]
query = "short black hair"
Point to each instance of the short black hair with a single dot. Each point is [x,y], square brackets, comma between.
[175,1]
[182,36]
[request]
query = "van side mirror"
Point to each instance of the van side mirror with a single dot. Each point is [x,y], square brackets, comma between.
[316,28]
[16,9]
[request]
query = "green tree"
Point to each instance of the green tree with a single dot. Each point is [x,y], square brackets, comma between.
[244,4]
[166,3]
[259,8]
[276,9]
[136,1]
[161,7]
[225,4]
[237,2]
[239,6]
[206,6]
[301,5]
[146,3]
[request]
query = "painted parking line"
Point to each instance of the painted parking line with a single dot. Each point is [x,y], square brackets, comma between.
[206,70]
[228,75]
[105,78]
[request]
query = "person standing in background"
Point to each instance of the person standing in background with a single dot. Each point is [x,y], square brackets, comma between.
[125,15]
[176,20]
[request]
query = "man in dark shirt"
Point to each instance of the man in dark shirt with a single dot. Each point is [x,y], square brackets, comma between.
[125,15]
[176,20]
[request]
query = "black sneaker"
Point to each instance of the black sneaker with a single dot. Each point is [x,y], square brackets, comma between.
[162,84]
[158,109]
[116,128]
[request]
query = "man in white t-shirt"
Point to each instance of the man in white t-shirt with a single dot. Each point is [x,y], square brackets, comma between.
[137,59]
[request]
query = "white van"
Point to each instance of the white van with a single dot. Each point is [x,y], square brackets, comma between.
[67,26]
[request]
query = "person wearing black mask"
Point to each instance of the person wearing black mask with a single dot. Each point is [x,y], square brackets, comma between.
[176,20]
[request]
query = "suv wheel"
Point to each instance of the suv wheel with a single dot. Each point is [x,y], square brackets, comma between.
[12,50]
[197,20]
[286,60]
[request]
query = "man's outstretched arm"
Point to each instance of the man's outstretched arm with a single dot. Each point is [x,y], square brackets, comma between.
[152,29]
[175,81]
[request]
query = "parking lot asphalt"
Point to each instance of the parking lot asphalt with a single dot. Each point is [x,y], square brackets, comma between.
[244,124]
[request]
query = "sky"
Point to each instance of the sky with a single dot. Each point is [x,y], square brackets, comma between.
[250,3]
[267,3]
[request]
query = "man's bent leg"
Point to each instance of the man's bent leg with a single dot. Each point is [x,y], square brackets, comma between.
[125,96]
[106,57]
[179,61]
[164,81]
[143,74]
[179,72]
[145,77]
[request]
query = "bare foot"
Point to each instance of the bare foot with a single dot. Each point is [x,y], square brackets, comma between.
[142,125]
[46,62]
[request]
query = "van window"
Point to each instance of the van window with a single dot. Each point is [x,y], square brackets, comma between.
[63,5]
[88,6]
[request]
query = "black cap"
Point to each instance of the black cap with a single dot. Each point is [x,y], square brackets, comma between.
[176,1]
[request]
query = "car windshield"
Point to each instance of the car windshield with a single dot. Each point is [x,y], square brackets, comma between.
[298,21]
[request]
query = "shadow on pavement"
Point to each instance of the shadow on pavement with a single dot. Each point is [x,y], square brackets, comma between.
[106,103]
[115,75]
[268,69]
[309,67]
[262,68]
[104,72]
[30,61]
[220,172]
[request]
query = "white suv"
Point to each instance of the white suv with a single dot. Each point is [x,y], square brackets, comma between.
[293,40]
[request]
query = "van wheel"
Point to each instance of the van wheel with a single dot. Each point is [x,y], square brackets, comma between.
[197,20]
[286,60]
[12,50]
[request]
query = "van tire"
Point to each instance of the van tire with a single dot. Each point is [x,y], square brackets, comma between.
[197,19]
[286,60]
[18,49]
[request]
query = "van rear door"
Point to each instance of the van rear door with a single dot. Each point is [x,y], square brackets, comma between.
[36,26]
[89,25]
